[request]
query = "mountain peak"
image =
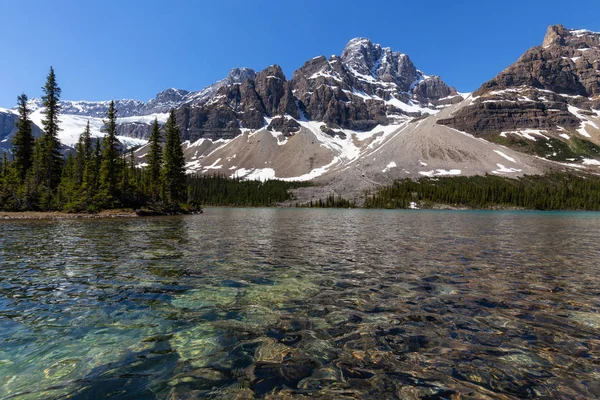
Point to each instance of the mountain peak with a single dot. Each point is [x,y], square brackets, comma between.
[555,35]
[359,41]
[239,75]
[369,61]
[558,35]
[170,95]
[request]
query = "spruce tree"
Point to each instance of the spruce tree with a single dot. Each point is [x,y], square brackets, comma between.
[97,164]
[91,178]
[86,141]
[23,141]
[89,173]
[83,160]
[4,169]
[51,128]
[51,157]
[155,159]
[110,169]
[173,173]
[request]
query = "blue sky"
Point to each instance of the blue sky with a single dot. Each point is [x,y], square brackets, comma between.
[134,49]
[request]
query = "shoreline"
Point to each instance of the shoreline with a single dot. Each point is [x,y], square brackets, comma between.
[52,215]
[124,213]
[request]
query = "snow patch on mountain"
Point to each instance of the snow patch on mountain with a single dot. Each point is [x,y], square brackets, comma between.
[72,126]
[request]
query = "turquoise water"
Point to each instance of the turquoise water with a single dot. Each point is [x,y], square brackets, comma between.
[268,303]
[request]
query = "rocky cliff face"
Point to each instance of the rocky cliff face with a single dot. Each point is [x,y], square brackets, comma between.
[8,120]
[164,101]
[366,86]
[7,129]
[551,94]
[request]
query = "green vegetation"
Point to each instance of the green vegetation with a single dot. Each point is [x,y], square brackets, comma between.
[330,201]
[173,169]
[24,141]
[96,175]
[548,192]
[218,190]
[551,148]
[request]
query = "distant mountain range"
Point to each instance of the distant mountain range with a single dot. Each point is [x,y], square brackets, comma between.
[369,116]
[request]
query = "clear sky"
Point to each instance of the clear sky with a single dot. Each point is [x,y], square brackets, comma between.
[114,49]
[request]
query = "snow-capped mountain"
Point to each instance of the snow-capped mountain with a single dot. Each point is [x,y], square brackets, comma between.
[235,76]
[366,86]
[369,116]
[135,117]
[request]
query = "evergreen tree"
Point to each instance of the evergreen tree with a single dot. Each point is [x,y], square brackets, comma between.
[91,176]
[51,159]
[4,168]
[110,169]
[173,173]
[154,159]
[23,141]
[67,195]
[83,165]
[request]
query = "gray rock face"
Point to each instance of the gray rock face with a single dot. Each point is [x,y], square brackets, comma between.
[380,71]
[95,109]
[270,88]
[354,91]
[537,90]
[351,91]
[432,88]
[239,106]
[369,62]
[8,129]
[567,63]
[287,126]
[236,75]
[164,101]
[136,130]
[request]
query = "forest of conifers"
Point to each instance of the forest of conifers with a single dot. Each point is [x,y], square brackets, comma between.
[558,191]
[97,175]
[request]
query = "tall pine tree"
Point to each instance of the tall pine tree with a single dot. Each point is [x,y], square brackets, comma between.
[80,153]
[23,141]
[155,159]
[51,159]
[110,169]
[173,173]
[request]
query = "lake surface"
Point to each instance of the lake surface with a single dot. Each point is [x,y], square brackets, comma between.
[336,304]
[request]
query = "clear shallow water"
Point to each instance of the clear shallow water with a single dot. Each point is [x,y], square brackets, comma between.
[336,304]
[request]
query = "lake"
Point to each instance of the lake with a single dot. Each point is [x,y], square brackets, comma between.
[319,303]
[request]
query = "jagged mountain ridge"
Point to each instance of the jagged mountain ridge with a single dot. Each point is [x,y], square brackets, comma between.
[547,103]
[364,87]
[160,104]
[135,117]
[379,86]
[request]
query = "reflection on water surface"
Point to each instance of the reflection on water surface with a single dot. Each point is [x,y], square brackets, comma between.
[268,303]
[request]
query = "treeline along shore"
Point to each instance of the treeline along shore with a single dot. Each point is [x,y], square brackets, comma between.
[40,178]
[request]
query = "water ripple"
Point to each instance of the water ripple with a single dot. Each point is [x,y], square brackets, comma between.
[253,303]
